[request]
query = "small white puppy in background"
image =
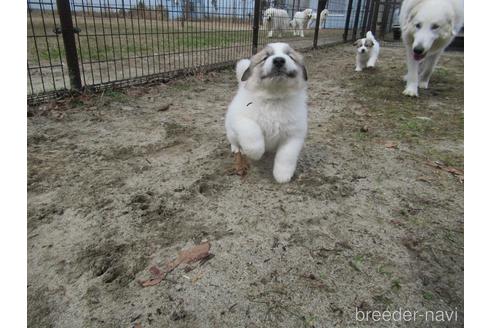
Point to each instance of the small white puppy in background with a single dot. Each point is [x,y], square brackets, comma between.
[367,52]
[428,27]
[269,111]
[322,19]
[300,21]
[275,20]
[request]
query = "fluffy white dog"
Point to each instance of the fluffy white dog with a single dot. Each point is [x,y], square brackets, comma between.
[367,52]
[428,27]
[275,20]
[269,111]
[322,19]
[300,21]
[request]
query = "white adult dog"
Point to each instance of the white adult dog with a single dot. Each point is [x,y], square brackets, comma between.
[322,19]
[367,52]
[269,111]
[275,20]
[428,27]
[300,21]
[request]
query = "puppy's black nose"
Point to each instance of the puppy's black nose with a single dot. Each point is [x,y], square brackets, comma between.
[418,50]
[278,61]
[363,50]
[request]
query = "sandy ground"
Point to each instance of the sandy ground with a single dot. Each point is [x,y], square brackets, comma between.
[116,185]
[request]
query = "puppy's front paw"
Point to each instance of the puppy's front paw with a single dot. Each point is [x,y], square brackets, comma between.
[423,84]
[371,65]
[282,174]
[412,92]
[254,152]
[358,69]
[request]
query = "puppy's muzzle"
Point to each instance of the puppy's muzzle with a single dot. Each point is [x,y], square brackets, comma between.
[418,52]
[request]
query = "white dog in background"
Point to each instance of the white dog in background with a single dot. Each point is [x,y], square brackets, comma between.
[300,21]
[428,27]
[367,52]
[275,20]
[322,19]
[269,111]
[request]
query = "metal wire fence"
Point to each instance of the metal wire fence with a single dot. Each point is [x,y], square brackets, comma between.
[91,44]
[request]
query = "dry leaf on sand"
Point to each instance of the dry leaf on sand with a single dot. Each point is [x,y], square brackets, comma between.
[187,256]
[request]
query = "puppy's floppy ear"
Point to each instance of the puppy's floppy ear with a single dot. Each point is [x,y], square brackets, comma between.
[246,74]
[356,43]
[369,43]
[297,57]
[304,72]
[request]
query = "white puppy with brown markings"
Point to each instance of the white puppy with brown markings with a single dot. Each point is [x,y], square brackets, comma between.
[367,52]
[428,27]
[269,111]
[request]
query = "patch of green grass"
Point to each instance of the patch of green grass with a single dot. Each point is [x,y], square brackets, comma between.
[181,85]
[360,136]
[383,269]
[414,128]
[441,73]
[428,295]
[309,320]
[115,95]
[418,221]
[396,285]
[75,102]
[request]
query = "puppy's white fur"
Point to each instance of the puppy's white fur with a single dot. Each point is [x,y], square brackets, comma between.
[428,27]
[275,20]
[322,19]
[367,52]
[300,21]
[269,111]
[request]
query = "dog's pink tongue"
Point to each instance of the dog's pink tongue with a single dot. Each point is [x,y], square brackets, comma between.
[418,57]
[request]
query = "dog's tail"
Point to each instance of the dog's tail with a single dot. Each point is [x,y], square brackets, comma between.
[370,36]
[241,67]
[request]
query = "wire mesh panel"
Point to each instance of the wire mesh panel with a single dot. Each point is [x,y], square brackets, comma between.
[293,21]
[46,67]
[116,42]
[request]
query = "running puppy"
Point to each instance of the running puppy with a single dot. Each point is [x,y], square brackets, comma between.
[269,111]
[428,27]
[367,52]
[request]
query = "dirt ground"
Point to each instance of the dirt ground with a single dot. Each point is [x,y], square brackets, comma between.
[120,181]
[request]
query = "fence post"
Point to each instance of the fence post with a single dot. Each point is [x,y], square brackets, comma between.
[375,15]
[68,34]
[356,22]
[321,6]
[347,20]
[384,23]
[367,20]
[256,26]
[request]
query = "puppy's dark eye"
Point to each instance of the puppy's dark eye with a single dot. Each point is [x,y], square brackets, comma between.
[418,25]
[435,26]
